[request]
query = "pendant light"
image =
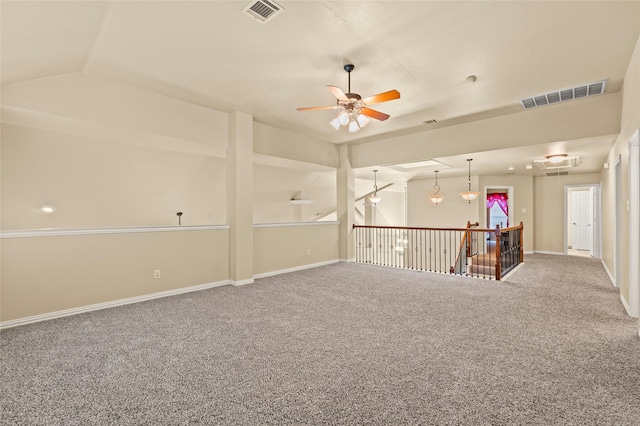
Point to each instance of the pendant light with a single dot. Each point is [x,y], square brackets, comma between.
[436,197]
[469,195]
[375,199]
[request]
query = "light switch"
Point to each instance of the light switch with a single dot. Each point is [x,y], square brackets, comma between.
[524,210]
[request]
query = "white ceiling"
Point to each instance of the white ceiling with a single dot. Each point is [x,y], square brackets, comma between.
[213,54]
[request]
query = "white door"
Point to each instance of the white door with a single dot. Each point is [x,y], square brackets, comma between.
[581,220]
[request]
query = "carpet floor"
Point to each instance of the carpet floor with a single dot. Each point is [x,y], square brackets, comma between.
[344,344]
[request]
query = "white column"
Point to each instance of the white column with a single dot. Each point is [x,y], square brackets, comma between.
[346,204]
[240,198]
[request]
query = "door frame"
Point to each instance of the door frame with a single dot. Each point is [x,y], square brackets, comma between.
[634,225]
[617,237]
[596,241]
[510,203]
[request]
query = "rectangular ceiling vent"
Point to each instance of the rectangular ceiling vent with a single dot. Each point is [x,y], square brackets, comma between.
[556,173]
[263,10]
[591,89]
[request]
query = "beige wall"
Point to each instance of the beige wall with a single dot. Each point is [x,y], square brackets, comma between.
[599,116]
[273,187]
[53,273]
[452,212]
[630,122]
[549,209]
[280,143]
[93,183]
[278,248]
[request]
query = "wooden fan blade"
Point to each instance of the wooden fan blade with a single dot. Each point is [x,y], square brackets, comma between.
[338,93]
[315,108]
[374,114]
[382,97]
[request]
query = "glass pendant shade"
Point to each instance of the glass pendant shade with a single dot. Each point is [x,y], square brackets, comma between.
[335,123]
[469,195]
[353,126]
[343,118]
[363,120]
[375,198]
[436,198]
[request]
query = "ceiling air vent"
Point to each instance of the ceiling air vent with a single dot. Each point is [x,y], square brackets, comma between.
[556,173]
[263,10]
[564,95]
[432,121]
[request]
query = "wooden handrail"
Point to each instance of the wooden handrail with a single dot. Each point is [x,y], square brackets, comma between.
[426,229]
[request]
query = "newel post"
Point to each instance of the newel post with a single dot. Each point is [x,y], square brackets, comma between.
[468,237]
[498,271]
[521,242]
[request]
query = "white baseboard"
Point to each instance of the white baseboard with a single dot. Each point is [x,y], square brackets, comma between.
[347,260]
[625,304]
[111,304]
[613,280]
[529,252]
[558,253]
[294,269]
[241,282]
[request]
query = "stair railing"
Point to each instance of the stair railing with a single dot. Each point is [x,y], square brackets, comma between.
[465,251]
[509,249]
[460,251]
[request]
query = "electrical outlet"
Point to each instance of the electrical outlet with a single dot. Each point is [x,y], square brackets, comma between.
[309,252]
[156,274]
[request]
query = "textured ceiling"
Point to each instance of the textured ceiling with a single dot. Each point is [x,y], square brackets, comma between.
[213,54]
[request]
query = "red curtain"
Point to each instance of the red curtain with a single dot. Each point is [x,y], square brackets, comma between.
[502,201]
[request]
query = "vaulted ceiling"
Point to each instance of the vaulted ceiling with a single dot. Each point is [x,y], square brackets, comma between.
[214,54]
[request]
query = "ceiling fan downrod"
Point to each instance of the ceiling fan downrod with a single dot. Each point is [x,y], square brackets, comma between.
[348,68]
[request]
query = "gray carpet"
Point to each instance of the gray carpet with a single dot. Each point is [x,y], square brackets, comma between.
[344,344]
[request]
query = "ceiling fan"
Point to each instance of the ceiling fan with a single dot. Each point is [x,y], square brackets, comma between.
[353,109]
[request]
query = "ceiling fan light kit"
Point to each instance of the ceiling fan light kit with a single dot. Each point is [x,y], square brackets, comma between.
[353,111]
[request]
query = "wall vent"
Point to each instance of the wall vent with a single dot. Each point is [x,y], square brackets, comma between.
[591,89]
[556,173]
[263,10]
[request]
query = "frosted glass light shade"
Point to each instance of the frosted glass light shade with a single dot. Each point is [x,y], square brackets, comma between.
[353,126]
[363,120]
[375,199]
[343,118]
[335,123]
[469,195]
[436,198]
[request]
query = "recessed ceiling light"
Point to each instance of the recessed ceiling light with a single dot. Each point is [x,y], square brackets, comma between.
[529,166]
[512,168]
[48,209]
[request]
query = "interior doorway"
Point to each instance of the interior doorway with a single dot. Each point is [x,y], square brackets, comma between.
[498,209]
[582,220]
